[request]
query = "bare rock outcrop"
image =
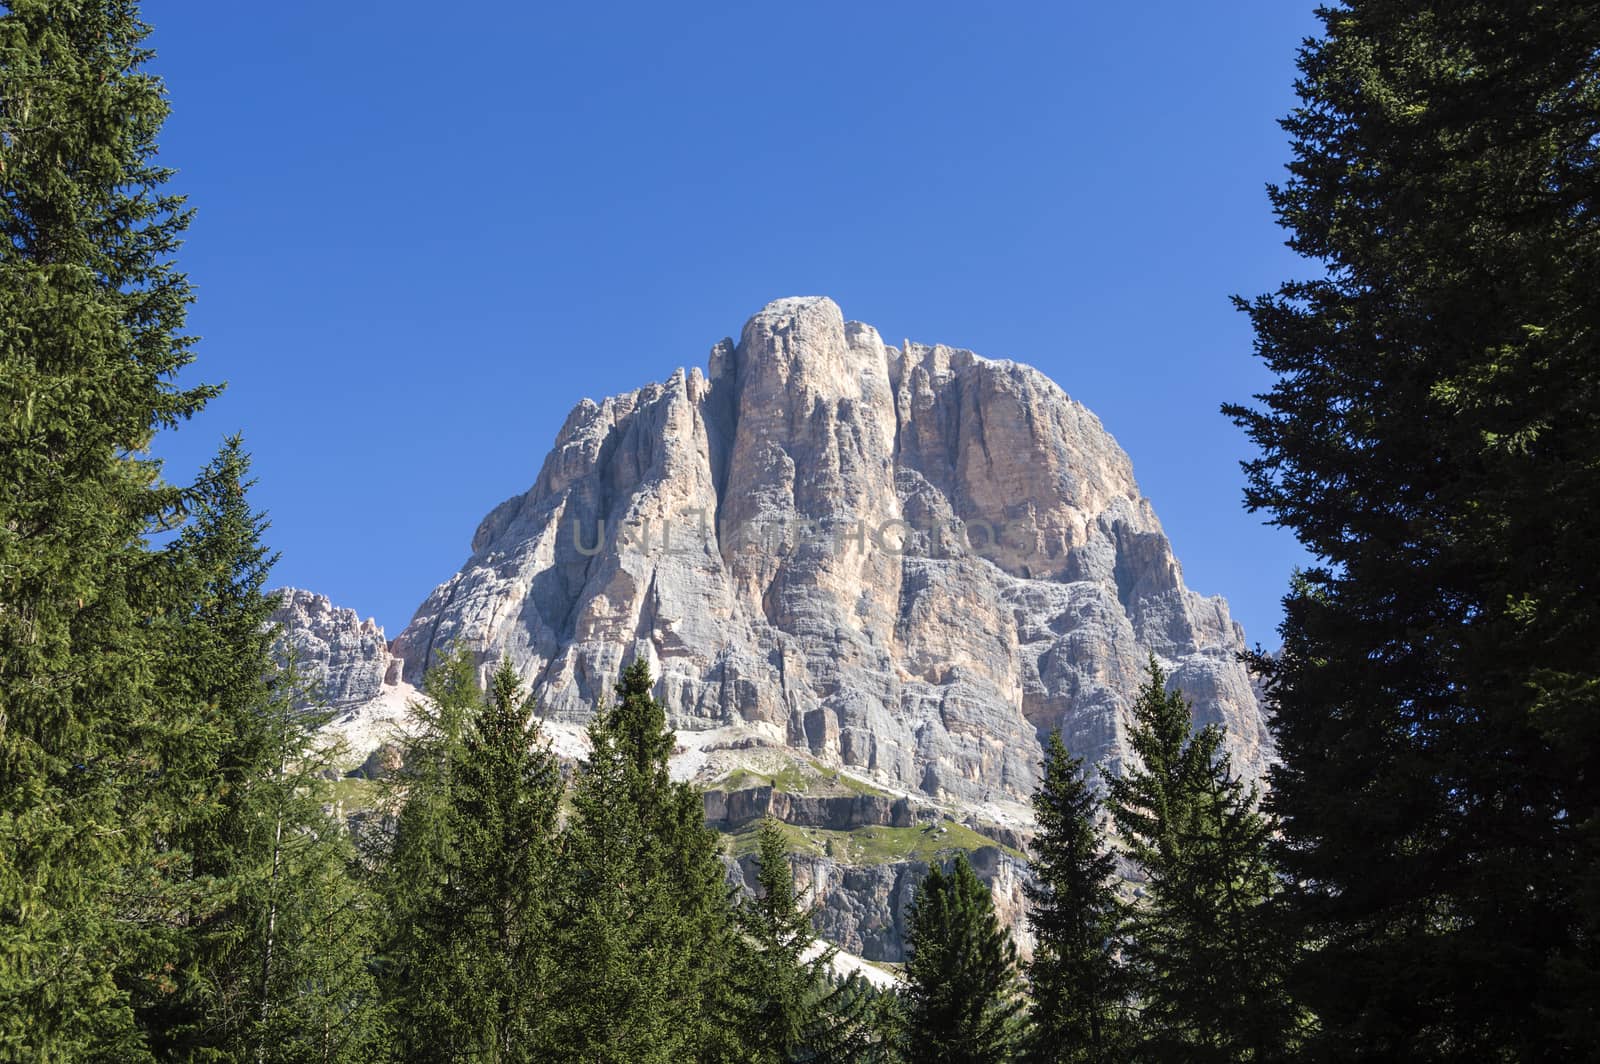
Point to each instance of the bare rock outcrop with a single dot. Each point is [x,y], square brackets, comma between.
[864,909]
[905,562]
[341,657]
[345,668]
[911,561]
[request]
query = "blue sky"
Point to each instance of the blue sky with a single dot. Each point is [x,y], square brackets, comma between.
[425,231]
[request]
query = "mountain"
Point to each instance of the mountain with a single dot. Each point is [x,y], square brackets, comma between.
[862,574]
[346,666]
[909,561]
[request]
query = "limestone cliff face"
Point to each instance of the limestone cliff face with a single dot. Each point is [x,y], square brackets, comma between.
[345,667]
[343,658]
[908,561]
[865,909]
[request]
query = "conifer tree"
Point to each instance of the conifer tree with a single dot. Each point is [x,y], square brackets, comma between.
[1205,966]
[1433,439]
[647,934]
[222,748]
[1078,987]
[782,982]
[795,1008]
[881,1025]
[962,1002]
[91,320]
[506,795]
[251,866]
[316,999]
[469,876]
[301,933]
[416,854]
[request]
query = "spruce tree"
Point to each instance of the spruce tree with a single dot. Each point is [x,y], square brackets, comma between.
[1078,987]
[1433,439]
[647,936]
[415,851]
[315,999]
[251,897]
[505,797]
[795,1008]
[880,1025]
[468,877]
[91,340]
[962,1000]
[1205,967]
[289,974]
[781,981]
[220,748]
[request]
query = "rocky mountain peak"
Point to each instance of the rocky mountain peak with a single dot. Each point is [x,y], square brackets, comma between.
[906,561]
[868,580]
[344,667]
[345,657]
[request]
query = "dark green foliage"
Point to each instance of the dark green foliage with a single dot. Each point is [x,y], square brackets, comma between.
[647,931]
[1433,438]
[160,838]
[467,876]
[962,1001]
[235,896]
[506,796]
[1205,965]
[91,318]
[1077,984]
[782,984]
[418,862]
[284,965]
[317,999]
[881,1021]
[795,1008]
[211,732]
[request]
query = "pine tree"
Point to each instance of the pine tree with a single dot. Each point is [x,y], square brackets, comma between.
[1433,438]
[962,1002]
[218,752]
[795,1008]
[415,851]
[1205,966]
[250,863]
[91,320]
[1079,990]
[505,797]
[292,980]
[647,935]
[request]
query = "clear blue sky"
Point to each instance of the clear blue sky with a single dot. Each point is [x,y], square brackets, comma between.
[426,230]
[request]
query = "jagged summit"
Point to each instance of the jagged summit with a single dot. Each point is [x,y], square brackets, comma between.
[789,306]
[344,666]
[868,577]
[908,561]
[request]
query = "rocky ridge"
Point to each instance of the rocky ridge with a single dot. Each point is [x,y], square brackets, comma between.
[900,563]
[910,560]
[345,669]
